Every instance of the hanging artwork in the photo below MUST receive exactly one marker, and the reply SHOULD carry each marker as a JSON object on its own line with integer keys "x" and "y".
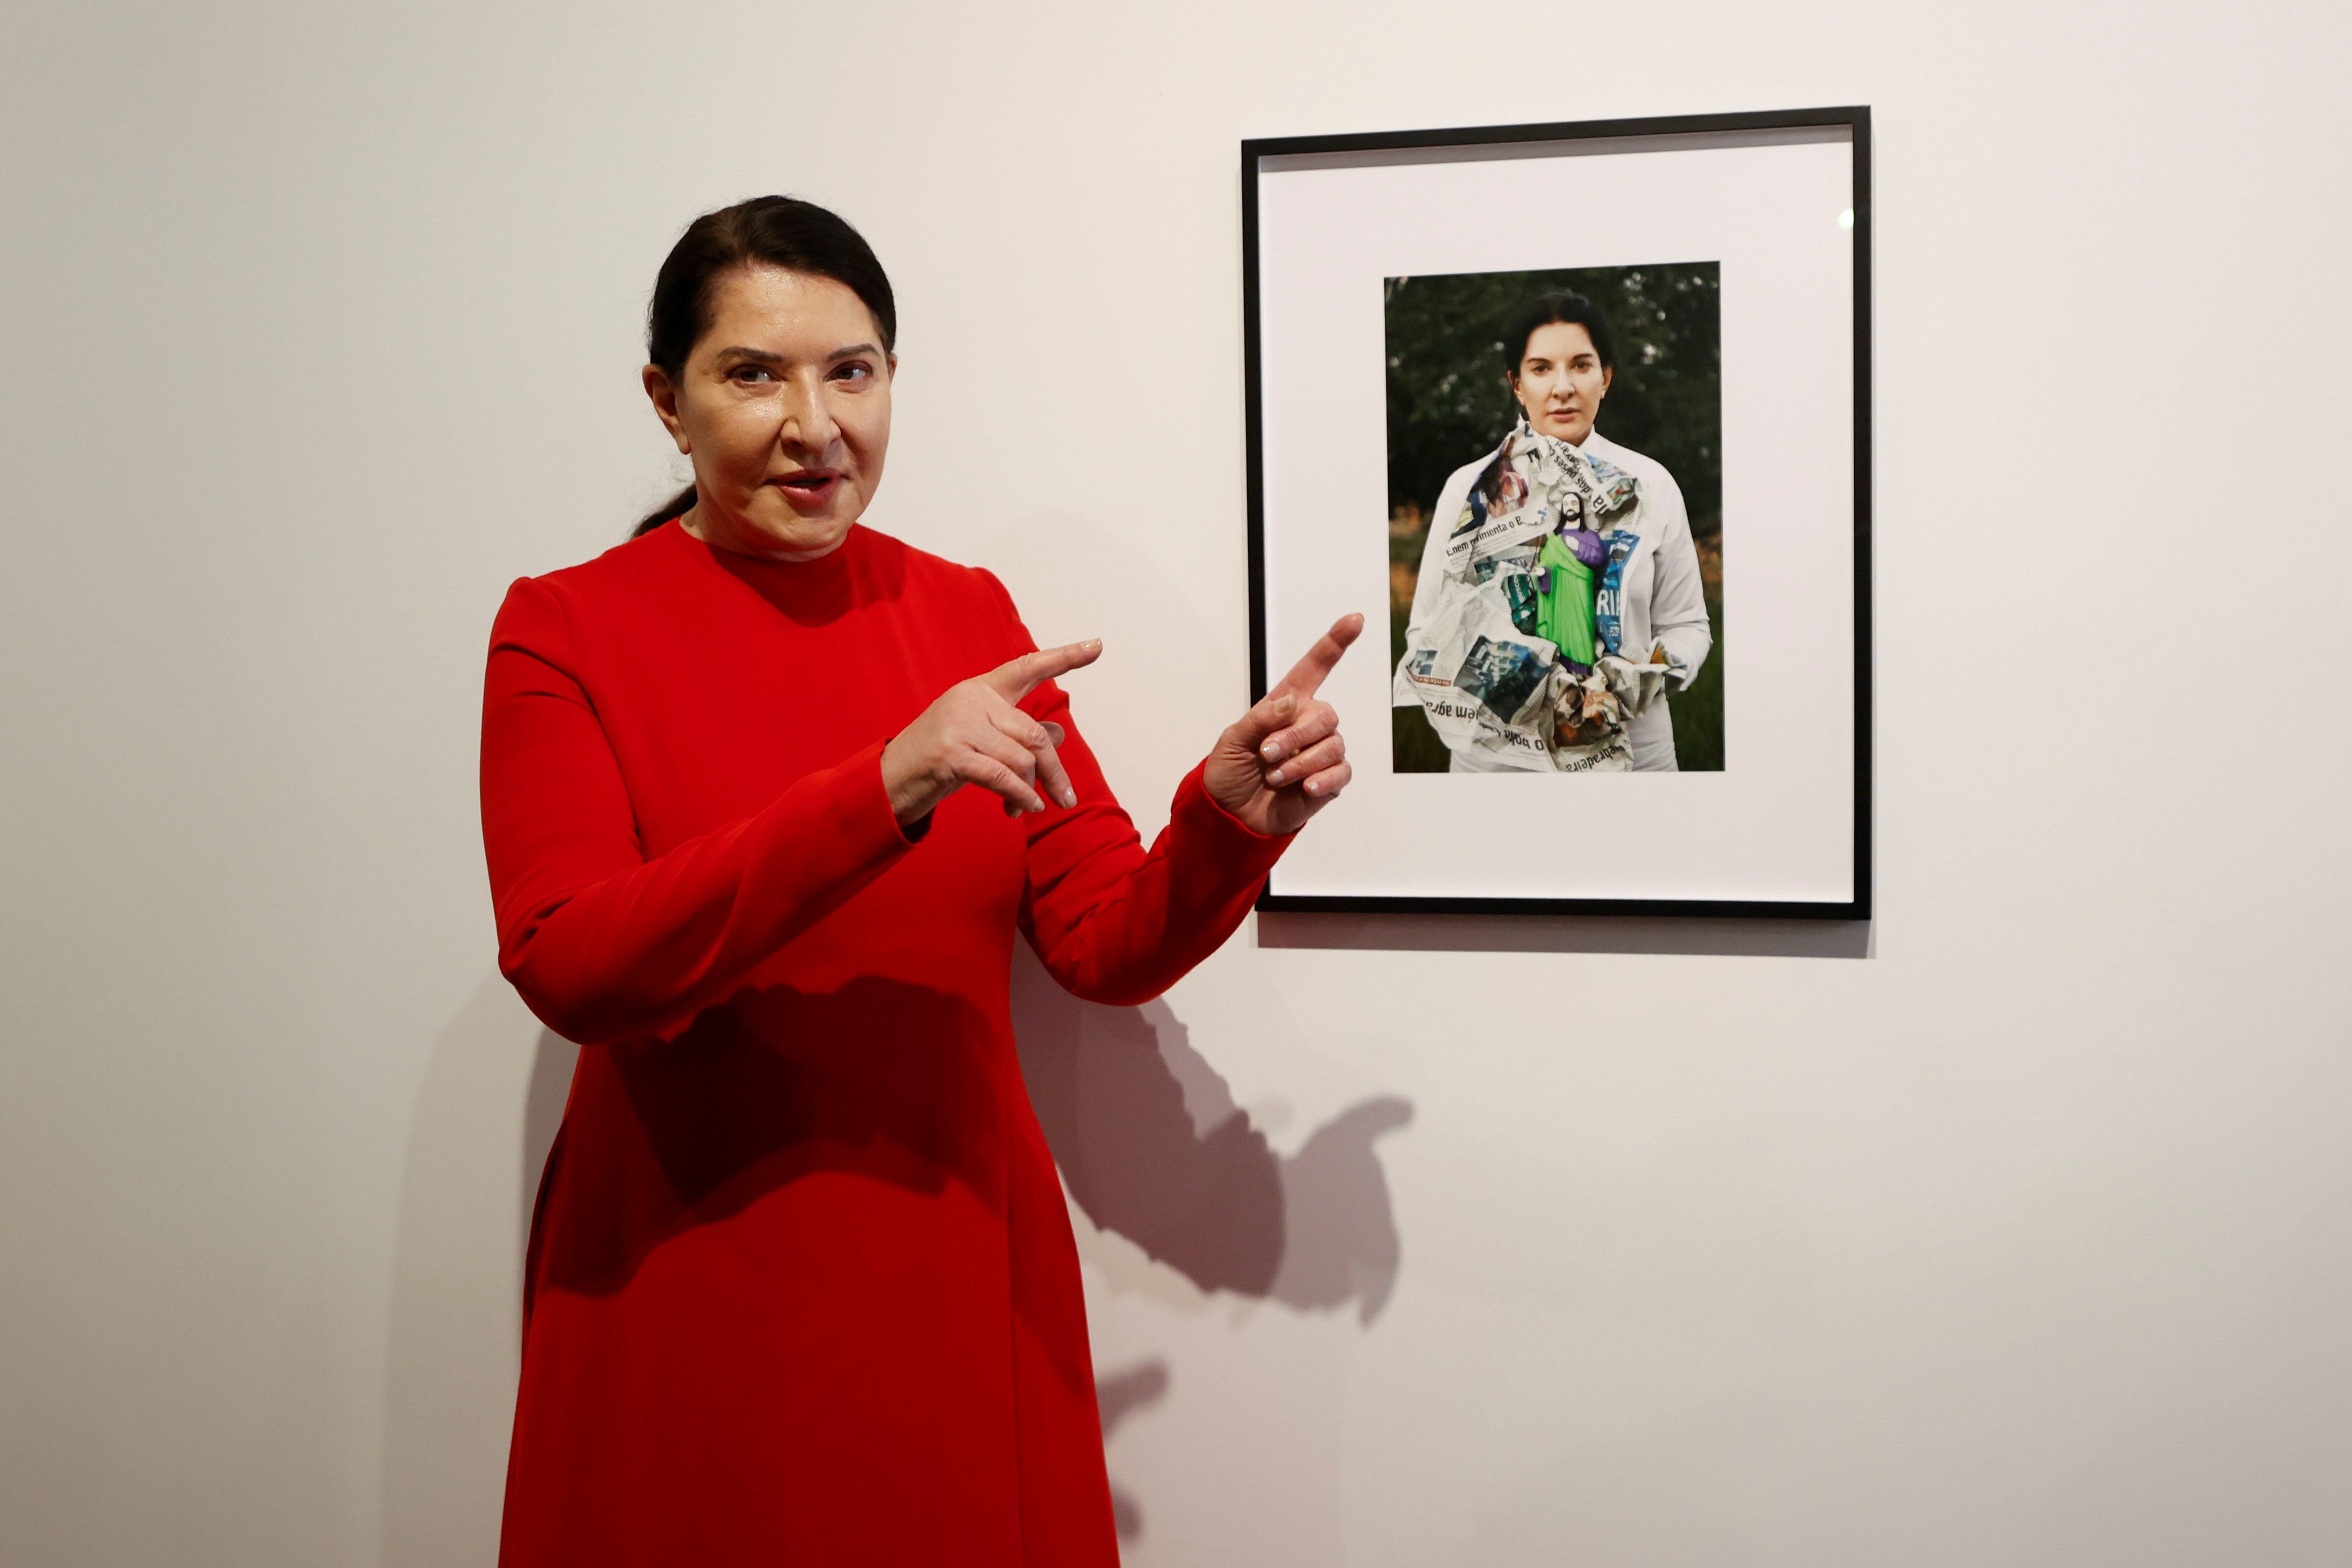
{"x": 1580, "y": 414}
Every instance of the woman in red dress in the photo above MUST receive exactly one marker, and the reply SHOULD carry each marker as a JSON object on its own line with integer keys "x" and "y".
{"x": 766, "y": 795}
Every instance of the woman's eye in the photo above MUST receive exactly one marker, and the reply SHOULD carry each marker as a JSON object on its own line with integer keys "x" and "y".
{"x": 854, "y": 373}
{"x": 753, "y": 375}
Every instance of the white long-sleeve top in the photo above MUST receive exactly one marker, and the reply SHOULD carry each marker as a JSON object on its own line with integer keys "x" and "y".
{"x": 1663, "y": 603}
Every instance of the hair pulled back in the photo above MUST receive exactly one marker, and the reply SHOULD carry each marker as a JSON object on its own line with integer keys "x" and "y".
{"x": 1564, "y": 307}
{"x": 766, "y": 231}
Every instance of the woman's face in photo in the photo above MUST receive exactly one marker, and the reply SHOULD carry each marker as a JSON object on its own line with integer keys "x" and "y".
{"x": 1560, "y": 382}
{"x": 784, "y": 406}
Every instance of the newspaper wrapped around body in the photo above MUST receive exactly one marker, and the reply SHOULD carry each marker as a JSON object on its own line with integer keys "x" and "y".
{"x": 1491, "y": 686}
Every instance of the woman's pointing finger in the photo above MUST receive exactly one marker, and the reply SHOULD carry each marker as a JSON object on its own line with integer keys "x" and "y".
{"x": 1016, "y": 678}
{"x": 1310, "y": 672}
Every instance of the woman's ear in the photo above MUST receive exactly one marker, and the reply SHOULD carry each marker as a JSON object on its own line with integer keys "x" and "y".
{"x": 665, "y": 401}
{"x": 1607, "y": 378}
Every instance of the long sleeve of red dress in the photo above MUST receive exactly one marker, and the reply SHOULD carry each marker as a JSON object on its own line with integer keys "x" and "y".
{"x": 800, "y": 1285}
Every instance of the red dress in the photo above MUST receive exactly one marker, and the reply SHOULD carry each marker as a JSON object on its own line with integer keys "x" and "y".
{"x": 802, "y": 1286}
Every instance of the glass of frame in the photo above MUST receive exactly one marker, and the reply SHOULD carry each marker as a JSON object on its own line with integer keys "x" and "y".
{"x": 1578, "y": 416}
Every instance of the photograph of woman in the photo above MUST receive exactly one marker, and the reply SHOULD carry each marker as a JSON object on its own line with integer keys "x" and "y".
{"x": 767, "y": 797}
{"x": 1557, "y": 603}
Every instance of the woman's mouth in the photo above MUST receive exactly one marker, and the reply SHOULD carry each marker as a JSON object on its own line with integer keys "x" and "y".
{"x": 810, "y": 489}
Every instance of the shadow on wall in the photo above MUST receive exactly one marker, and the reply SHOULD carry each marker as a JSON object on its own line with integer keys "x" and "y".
{"x": 1154, "y": 1149}
{"x": 1571, "y": 934}
{"x": 1118, "y": 1396}
{"x": 453, "y": 1345}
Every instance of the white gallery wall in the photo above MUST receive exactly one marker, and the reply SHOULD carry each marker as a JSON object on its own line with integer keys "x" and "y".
{"x": 2016, "y": 1229}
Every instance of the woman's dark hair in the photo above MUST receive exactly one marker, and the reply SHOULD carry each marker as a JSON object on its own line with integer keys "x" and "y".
{"x": 1551, "y": 310}
{"x": 766, "y": 231}
{"x": 1546, "y": 310}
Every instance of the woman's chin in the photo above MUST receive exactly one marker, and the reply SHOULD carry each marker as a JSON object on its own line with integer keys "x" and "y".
{"x": 787, "y": 533}
{"x": 809, "y": 537}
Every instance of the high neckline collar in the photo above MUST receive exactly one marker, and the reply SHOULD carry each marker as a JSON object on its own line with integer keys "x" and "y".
{"x": 832, "y": 562}
{"x": 809, "y": 591}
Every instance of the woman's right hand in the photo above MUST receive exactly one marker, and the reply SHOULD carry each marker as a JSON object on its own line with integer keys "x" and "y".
{"x": 974, "y": 734}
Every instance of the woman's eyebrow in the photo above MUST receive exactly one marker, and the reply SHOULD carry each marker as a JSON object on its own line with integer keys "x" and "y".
{"x": 762, "y": 356}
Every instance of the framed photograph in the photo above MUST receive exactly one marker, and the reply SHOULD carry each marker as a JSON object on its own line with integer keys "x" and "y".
{"x": 1578, "y": 416}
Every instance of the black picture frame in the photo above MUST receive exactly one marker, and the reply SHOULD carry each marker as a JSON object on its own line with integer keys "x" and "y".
{"x": 1854, "y": 119}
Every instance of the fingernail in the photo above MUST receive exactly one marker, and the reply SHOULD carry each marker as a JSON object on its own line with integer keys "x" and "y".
{"x": 1069, "y": 797}
{"x": 1277, "y": 776}
{"x": 1270, "y": 751}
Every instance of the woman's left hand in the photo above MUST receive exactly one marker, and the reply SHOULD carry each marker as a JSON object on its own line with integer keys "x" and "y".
{"x": 1284, "y": 761}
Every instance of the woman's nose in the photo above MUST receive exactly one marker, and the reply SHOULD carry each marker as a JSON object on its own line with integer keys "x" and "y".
{"x": 808, "y": 419}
